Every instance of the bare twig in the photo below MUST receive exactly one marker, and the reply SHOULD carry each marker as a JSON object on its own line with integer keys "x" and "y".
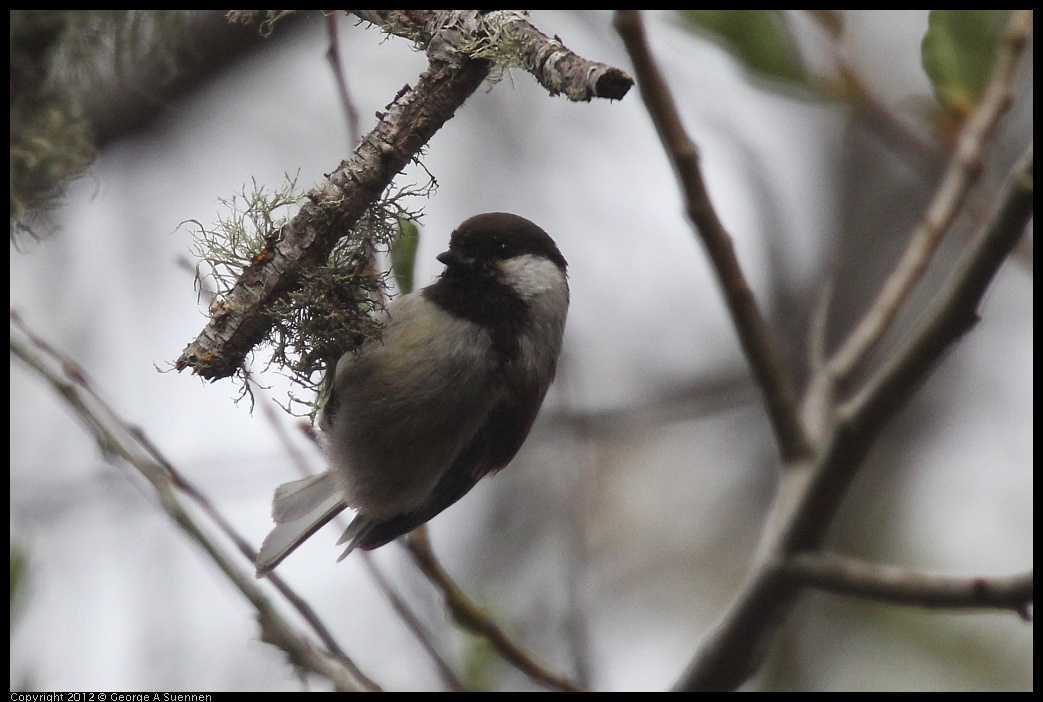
{"x": 448, "y": 675}
{"x": 809, "y": 497}
{"x": 472, "y": 617}
{"x": 963, "y": 171}
{"x": 753, "y": 331}
{"x": 848, "y": 576}
{"x": 954, "y": 311}
{"x": 347, "y": 104}
{"x": 919, "y": 153}
{"x": 125, "y": 443}
{"x": 816, "y": 482}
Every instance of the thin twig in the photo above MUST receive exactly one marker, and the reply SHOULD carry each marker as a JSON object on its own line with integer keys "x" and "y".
{"x": 954, "y": 311}
{"x": 849, "y": 576}
{"x": 448, "y": 675}
{"x": 471, "y": 616}
{"x": 963, "y": 171}
{"x": 351, "y": 114}
{"x": 812, "y": 490}
{"x": 916, "y": 151}
{"x": 754, "y": 335}
{"x": 120, "y": 440}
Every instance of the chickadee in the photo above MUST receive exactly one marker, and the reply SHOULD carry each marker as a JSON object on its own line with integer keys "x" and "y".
{"x": 446, "y": 397}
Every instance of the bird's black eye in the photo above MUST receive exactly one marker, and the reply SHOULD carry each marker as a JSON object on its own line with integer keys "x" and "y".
{"x": 503, "y": 250}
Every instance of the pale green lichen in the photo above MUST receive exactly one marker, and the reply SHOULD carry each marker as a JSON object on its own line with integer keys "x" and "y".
{"x": 331, "y": 309}
{"x": 264, "y": 19}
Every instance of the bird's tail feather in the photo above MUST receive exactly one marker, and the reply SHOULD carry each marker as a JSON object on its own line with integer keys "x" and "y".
{"x": 353, "y": 535}
{"x": 299, "y": 509}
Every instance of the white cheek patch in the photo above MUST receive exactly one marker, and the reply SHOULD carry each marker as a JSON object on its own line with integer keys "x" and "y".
{"x": 534, "y": 276}
{"x": 543, "y": 287}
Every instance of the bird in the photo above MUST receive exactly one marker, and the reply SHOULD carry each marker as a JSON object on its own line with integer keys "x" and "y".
{"x": 445, "y": 397}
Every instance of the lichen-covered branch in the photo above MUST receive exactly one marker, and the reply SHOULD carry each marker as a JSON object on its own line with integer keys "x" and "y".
{"x": 508, "y": 39}
{"x": 241, "y": 321}
{"x": 461, "y": 46}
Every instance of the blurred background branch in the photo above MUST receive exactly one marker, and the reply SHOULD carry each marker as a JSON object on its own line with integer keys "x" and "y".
{"x": 124, "y": 443}
{"x": 817, "y": 476}
{"x": 854, "y": 578}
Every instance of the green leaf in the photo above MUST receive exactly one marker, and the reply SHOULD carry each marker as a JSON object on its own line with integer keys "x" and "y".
{"x": 403, "y": 255}
{"x": 958, "y": 53}
{"x": 758, "y": 38}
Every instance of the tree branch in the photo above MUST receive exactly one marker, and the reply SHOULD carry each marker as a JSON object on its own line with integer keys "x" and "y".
{"x": 507, "y": 37}
{"x": 848, "y": 576}
{"x": 953, "y": 313}
{"x": 332, "y": 208}
{"x": 471, "y": 616}
{"x": 457, "y": 43}
{"x": 121, "y": 442}
{"x": 754, "y": 335}
{"x": 816, "y": 482}
{"x": 963, "y": 171}
{"x": 810, "y": 496}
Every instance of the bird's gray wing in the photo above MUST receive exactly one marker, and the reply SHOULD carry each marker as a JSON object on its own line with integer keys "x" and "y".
{"x": 492, "y": 448}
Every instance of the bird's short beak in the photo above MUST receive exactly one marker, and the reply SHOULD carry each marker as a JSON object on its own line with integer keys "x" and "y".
{"x": 452, "y": 258}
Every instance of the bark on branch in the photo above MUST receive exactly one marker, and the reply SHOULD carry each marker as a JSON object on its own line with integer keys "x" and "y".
{"x": 410, "y": 121}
